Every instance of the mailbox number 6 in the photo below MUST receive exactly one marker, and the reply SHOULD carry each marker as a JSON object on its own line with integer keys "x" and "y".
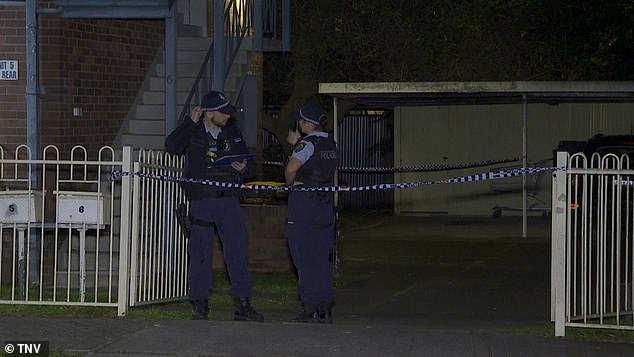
{"x": 81, "y": 209}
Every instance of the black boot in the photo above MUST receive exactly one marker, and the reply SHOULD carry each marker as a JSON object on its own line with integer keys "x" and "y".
{"x": 308, "y": 313}
{"x": 325, "y": 312}
{"x": 200, "y": 309}
{"x": 246, "y": 312}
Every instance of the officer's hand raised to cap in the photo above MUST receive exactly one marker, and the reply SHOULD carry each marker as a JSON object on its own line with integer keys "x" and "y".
{"x": 293, "y": 137}
{"x": 197, "y": 113}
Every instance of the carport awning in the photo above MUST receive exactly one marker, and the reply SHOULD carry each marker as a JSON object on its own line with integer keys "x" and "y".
{"x": 391, "y": 94}
{"x": 388, "y": 95}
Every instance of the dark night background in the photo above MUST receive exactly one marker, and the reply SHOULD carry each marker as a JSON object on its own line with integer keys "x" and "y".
{"x": 451, "y": 40}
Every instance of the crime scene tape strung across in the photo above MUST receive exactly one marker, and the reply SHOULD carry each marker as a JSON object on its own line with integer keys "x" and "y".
{"x": 421, "y": 168}
{"x": 491, "y": 175}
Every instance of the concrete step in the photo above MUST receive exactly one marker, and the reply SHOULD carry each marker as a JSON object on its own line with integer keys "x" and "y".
{"x": 145, "y": 127}
{"x": 153, "y": 97}
{"x": 193, "y": 43}
{"x": 189, "y": 30}
{"x": 150, "y": 112}
{"x": 182, "y": 69}
{"x": 188, "y": 56}
{"x": 191, "y": 56}
{"x": 158, "y": 98}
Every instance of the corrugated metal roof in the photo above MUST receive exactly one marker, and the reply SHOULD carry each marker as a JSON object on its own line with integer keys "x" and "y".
{"x": 391, "y": 94}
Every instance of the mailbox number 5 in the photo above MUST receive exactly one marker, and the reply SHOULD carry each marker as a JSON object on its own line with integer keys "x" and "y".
{"x": 81, "y": 209}
{"x": 12, "y": 208}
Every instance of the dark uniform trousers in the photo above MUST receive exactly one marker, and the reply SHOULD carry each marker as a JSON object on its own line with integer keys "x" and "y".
{"x": 229, "y": 219}
{"x": 310, "y": 231}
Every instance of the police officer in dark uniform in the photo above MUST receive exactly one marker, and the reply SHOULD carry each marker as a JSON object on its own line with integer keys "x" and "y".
{"x": 205, "y": 138}
{"x": 310, "y": 218}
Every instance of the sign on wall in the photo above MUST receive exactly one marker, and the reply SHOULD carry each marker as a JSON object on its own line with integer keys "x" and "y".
{"x": 8, "y": 70}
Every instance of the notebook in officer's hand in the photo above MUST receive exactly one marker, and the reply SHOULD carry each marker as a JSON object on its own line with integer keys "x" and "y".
{"x": 227, "y": 160}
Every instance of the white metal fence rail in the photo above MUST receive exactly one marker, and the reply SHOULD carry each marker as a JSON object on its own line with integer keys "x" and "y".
{"x": 593, "y": 242}
{"x": 159, "y": 250}
{"x": 63, "y": 228}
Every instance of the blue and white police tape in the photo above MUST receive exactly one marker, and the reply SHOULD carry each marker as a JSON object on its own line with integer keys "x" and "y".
{"x": 491, "y": 175}
{"x": 420, "y": 168}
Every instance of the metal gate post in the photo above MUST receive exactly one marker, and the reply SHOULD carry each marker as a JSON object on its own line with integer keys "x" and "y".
{"x": 134, "y": 261}
{"x": 558, "y": 236}
{"x": 124, "y": 234}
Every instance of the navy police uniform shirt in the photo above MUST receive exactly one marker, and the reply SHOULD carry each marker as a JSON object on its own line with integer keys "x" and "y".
{"x": 319, "y": 157}
{"x": 202, "y": 149}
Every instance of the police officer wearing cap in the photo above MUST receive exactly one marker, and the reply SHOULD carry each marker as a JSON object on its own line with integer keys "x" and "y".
{"x": 310, "y": 219}
{"x": 204, "y": 139}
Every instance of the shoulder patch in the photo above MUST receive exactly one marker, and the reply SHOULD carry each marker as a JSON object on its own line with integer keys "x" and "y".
{"x": 299, "y": 147}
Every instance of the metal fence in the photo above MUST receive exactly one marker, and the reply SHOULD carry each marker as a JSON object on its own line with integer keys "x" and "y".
{"x": 365, "y": 140}
{"x": 62, "y": 226}
{"x": 158, "y": 266}
{"x": 593, "y": 242}
{"x": 71, "y": 236}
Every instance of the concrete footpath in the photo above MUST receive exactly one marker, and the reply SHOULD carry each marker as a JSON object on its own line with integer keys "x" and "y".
{"x": 407, "y": 287}
{"x": 125, "y": 337}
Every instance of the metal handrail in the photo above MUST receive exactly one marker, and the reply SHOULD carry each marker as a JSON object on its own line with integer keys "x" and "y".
{"x": 237, "y": 25}
{"x": 237, "y": 30}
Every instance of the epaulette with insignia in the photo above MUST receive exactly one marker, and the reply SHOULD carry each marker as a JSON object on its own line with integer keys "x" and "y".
{"x": 299, "y": 147}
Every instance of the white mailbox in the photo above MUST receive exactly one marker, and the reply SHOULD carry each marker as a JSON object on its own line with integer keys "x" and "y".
{"x": 19, "y": 206}
{"x": 82, "y": 207}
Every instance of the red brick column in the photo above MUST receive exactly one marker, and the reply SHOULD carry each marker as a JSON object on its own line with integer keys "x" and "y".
{"x": 12, "y": 93}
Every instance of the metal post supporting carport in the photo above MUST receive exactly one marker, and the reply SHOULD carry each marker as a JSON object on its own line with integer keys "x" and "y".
{"x": 524, "y": 162}
{"x": 334, "y": 134}
{"x": 335, "y": 256}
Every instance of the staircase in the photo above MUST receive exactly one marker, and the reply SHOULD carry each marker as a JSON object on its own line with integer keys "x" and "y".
{"x": 144, "y": 127}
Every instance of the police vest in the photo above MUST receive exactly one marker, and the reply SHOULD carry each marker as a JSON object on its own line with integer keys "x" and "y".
{"x": 320, "y": 168}
{"x": 202, "y": 153}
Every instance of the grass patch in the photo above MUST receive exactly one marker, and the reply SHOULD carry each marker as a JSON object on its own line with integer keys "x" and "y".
{"x": 57, "y": 311}
{"x": 270, "y": 292}
{"x": 62, "y": 294}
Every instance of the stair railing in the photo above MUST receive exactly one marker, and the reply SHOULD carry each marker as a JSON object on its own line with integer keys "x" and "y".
{"x": 238, "y": 24}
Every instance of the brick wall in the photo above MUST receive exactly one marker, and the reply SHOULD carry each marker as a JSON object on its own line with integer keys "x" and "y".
{"x": 93, "y": 64}
{"x": 97, "y": 66}
{"x": 12, "y": 93}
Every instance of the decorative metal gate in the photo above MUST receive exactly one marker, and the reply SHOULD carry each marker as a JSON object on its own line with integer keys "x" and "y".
{"x": 593, "y": 242}
{"x": 158, "y": 267}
